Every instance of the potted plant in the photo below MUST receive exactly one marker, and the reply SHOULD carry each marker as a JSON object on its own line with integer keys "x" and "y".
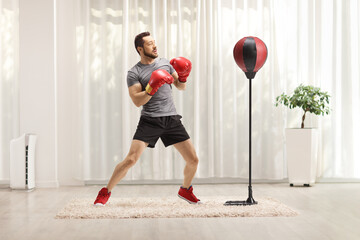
{"x": 301, "y": 143}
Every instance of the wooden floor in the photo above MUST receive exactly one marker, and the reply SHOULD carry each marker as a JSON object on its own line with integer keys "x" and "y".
{"x": 327, "y": 211}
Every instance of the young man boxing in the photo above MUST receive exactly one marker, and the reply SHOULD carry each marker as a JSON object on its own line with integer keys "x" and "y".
{"x": 149, "y": 83}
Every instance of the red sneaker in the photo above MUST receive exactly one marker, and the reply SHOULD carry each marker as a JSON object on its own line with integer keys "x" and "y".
{"x": 187, "y": 195}
{"x": 102, "y": 197}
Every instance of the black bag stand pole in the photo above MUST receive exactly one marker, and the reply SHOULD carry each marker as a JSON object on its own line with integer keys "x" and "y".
{"x": 250, "y": 200}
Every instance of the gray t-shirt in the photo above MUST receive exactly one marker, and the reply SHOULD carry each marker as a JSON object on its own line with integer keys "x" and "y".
{"x": 161, "y": 103}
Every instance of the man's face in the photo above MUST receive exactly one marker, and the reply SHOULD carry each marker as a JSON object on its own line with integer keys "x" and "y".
{"x": 150, "y": 47}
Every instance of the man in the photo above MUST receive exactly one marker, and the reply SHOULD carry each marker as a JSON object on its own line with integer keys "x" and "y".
{"x": 149, "y": 83}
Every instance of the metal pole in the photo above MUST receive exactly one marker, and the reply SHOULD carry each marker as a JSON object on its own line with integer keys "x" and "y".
{"x": 250, "y": 135}
{"x": 250, "y": 200}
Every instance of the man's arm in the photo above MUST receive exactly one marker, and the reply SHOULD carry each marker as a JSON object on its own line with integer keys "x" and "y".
{"x": 137, "y": 96}
{"x": 179, "y": 85}
{"x": 157, "y": 79}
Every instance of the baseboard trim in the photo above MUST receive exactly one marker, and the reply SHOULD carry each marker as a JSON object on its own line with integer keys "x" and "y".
{"x": 218, "y": 181}
{"x": 46, "y": 184}
{"x": 55, "y": 184}
{"x": 179, "y": 181}
{"x": 38, "y": 184}
{"x": 5, "y": 182}
{"x": 71, "y": 183}
{"x": 338, "y": 180}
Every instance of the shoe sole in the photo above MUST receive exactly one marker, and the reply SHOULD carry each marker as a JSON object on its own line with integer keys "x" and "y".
{"x": 189, "y": 200}
{"x": 99, "y": 205}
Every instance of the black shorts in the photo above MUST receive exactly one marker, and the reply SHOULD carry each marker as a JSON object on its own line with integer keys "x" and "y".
{"x": 168, "y": 128}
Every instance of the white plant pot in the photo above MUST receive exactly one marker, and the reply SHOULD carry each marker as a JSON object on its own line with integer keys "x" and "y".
{"x": 301, "y": 153}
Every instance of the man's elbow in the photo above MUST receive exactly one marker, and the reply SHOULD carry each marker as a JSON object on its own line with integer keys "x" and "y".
{"x": 138, "y": 104}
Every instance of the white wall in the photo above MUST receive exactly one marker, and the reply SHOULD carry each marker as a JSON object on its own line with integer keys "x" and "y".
{"x": 37, "y": 96}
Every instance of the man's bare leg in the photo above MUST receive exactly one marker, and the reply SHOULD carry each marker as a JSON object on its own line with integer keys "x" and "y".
{"x": 136, "y": 149}
{"x": 187, "y": 151}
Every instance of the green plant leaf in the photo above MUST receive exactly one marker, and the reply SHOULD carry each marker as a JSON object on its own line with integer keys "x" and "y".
{"x": 308, "y": 98}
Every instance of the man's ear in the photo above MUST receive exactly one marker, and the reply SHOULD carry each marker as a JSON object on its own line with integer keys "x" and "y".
{"x": 140, "y": 49}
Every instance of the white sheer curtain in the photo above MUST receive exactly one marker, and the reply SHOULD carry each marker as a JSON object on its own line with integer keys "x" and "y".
{"x": 310, "y": 42}
{"x": 9, "y": 127}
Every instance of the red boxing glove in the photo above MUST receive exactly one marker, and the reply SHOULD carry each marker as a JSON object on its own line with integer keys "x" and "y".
{"x": 182, "y": 67}
{"x": 158, "y": 78}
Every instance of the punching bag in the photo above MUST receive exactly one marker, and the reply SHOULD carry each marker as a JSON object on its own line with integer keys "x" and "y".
{"x": 250, "y": 54}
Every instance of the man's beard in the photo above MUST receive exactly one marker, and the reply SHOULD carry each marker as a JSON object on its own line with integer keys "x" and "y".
{"x": 150, "y": 55}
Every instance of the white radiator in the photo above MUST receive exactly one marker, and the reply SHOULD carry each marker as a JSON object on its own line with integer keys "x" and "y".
{"x": 22, "y": 162}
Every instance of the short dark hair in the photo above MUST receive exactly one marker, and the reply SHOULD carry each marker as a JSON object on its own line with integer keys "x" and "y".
{"x": 139, "y": 41}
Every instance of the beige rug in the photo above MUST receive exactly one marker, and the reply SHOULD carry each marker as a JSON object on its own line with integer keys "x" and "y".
{"x": 172, "y": 208}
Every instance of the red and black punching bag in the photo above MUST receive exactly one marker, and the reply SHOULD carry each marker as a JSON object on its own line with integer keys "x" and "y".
{"x": 250, "y": 54}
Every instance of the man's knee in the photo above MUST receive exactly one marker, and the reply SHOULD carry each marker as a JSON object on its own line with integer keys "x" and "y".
{"x": 194, "y": 160}
{"x": 132, "y": 158}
